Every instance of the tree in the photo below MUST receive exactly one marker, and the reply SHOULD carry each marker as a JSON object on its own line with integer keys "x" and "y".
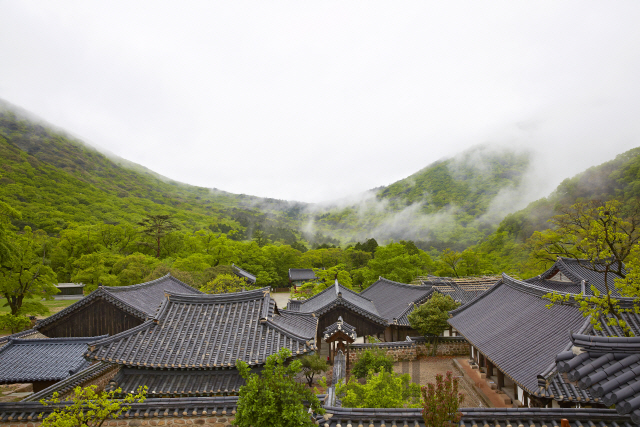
{"x": 441, "y": 402}
{"x": 381, "y": 390}
{"x": 450, "y": 259}
{"x": 90, "y": 408}
{"x": 313, "y": 364}
{"x": 604, "y": 236}
{"x": 225, "y": 283}
{"x": 430, "y": 319}
{"x": 94, "y": 269}
{"x": 274, "y": 398}
{"x": 6, "y": 235}
{"x": 372, "y": 359}
{"x": 25, "y": 275}
{"x": 156, "y": 227}
{"x": 14, "y": 323}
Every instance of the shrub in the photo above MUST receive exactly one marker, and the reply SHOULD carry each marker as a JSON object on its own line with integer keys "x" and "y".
{"x": 372, "y": 359}
{"x": 313, "y": 364}
{"x": 14, "y": 323}
{"x": 382, "y": 390}
{"x": 441, "y": 402}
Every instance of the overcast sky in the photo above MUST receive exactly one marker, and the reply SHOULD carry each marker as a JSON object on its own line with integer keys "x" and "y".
{"x": 312, "y": 101}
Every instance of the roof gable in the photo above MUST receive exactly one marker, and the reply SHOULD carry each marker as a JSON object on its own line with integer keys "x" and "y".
{"x": 140, "y": 300}
{"x": 296, "y": 274}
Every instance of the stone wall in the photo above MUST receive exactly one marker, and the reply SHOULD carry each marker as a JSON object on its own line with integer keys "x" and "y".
{"x": 446, "y": 348}
{"x": 411, "y": 350}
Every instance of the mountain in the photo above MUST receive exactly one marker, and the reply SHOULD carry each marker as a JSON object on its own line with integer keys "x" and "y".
{"x": 450, "y": 203}
{"x": 55, "y": 179}
{"x": 616, "y": 179}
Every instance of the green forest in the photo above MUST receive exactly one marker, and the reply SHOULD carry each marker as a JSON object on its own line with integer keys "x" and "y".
{"x": 71, "y": 214}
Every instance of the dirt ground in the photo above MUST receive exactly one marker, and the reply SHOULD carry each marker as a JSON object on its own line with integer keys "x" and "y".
{"x": 424, "y": 371}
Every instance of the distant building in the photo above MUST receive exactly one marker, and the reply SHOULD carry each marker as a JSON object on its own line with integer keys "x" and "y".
{"x": 297, "y": 276}
{"x": 69, "y": 291}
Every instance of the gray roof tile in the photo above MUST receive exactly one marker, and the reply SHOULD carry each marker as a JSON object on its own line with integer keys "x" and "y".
{"x": 46, "y": 359}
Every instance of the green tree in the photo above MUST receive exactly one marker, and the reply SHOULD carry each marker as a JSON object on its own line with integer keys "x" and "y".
{"x": 372, "y": 359}
{"x": 25, "y": 275}
{"x": 14, "y": 323}
{"x": 395, "y": 262}
{"x": 225, "y": 283}
{"x": 381, "y": 390}
{"x": 430, "y": 319}
{"x": 604, "y": 235}
{"x": 313, "y": 364}
{"x": 6, "y": 233}
{"x": 133, "y": 268}
{"x": 90, "y": 408}
{"x": 157, "y": 227}
{"x": 95, "y": 269}
{"x": 274, "y": 398}
{"x": 450, "y": 260}
{"x": 440, "y": 402}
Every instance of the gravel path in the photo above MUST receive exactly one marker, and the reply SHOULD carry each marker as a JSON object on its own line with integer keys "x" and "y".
{"x": 424, "y": 370}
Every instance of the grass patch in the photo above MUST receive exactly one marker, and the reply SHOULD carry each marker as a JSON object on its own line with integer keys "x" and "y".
{"x": 54, "y": 306}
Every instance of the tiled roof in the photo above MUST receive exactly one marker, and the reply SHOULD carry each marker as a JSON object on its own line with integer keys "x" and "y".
{"x": 82, "y": 377}
{"x": 47, "y": 359}
{"x": 29, "y": 333}
{"x": 511, "y": 325}
{"x": 472, "y": 417}
{"x": 392, "y": 299}
{"x": 296, "y": 274}
{"x": 552, "y": 285}
{"x": 578, "y": 270}
{"x": 342, "y": 326}
{"x": 338, "y": 295}
{"x": 208, "y": 331}
{"x": 152, "y": 407}
{"x": 243, "y": 273}
{"x": 461, "y": 289}
{"x": 140, "y": 300}
{"x": 163, "y": 383}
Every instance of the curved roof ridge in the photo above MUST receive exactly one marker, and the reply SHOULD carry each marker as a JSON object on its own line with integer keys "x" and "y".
{"x": 381, "y": 279}
{"x": 150, "y": 283}
{"x": 477, "y": 298}
{"x": 353, "y": 292}
{"x": 523, "y": 286}
{"x": 61, "y": 340}
{"x": 209, "y": 298}
{"x": 119, "y": 335}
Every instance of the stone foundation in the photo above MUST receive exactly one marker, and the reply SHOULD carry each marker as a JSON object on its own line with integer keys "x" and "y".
{"x": 446, "y": 348}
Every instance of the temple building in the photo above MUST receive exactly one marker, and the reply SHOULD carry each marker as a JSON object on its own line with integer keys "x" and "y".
{"x": 190, "y": 346}
{"x": 112, "y": 309}
{"x": 297, "y": 276}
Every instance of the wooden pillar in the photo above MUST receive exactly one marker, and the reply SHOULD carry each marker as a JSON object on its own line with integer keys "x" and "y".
{"x": 489, "y": 368}
{"x": 481, "y": 360}
{"x": 500, "y": 379}
{"x": 525, "y": 398}
{"x": 471, "y": 352}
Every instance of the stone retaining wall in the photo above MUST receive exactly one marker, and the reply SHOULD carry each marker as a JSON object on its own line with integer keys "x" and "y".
{"x": 450, "y": 348}
{"x": 404, "y": 350}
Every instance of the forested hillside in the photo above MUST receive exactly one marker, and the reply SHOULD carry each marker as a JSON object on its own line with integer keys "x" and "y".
{"x": 507, "y": 248}
{"x": 56, "y": 181}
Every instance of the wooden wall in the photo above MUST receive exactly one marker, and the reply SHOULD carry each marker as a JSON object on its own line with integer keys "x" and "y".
{"x": 363, "y": 325}
{"x": 96, "y": 318}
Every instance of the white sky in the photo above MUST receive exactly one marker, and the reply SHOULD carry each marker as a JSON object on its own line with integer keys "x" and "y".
{"x": 318, "y": 100}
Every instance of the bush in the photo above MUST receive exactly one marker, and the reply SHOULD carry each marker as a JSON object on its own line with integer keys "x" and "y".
{"x": 441, "y": 402}
{"x": 274, "y": 398}
{"x": 14, "y": 323}
{"x": 372, "y": 359}
{"x": 382, "y": 390}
